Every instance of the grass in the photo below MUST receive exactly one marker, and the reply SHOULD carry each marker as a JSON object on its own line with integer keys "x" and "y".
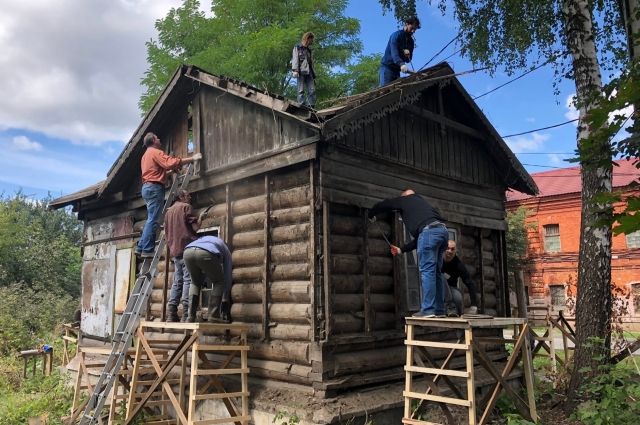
{"x": 44, "y": 397}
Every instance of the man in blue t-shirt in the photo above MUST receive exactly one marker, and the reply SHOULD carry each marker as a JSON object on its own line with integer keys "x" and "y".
{"x": 399, "y": 52}
{"x": 208, "y": 257}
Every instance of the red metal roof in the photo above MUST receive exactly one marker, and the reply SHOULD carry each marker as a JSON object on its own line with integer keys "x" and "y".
{"x": 567, "y": 180}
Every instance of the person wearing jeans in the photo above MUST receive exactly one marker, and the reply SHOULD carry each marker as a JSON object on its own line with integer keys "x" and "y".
{"x": 455, "y": 268}
{"x": 154, "y": 166}
{"x": 209, "y": 258}
{"x": 430, "y": 236}
{"x": 180, "y": 226}
{"x": 302, "y": 69}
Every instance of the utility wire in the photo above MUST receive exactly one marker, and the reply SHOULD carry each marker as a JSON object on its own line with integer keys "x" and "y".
{"x": 440, "y": 51}
{"x": 513, "y": 79}
{"x": 543, "y": 153}
{"x": 538, "y": 129}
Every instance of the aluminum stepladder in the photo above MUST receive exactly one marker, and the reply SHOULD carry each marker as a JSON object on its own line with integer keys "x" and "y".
{"x": 136, "y": 304}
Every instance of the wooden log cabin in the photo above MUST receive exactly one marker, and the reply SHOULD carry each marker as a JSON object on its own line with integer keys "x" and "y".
{"x": 289, "y": 190}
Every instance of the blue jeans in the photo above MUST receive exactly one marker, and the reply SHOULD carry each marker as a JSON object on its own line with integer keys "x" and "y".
{"x": 153, "y": 195}
{"x": 181, "y": 283}
{"x": 308, "y": 86}
{"x": 432, "y": 242}
{"x": 453, "y": 297}
{"x": 388, "y": 75}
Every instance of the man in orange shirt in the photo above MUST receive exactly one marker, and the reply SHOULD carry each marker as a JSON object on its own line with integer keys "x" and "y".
{"x": 155, "y": 164}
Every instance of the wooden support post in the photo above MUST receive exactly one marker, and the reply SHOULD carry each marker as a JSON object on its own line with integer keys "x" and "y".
{"x": 134, "y": 376}
{"x": 244, "y": 365}
{"x": 471, "y": 385}
{"x": 481, "y": 265}
{"x": 193, "y": 386}
{"x": 266, "y": 272}
{"x": 408, "y": 381}
{"x": 165, "y": 285}
{"x": 313, "y": 248}
{"x": 368, "y": 319}
{"x": 326, "y": 252}
{"x": 527, "y": 365}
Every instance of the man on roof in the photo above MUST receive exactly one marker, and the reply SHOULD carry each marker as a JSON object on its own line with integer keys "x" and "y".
{"x": 399, "y": 52}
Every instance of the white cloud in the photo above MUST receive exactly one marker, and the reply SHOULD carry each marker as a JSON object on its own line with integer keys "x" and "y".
{"x": 72, "y": 68}
{"x": 530, "y": 119}
{"x": 22, "y": 143}
{"x": 527, "y": 143}
{"x": 558, "y": 160}
{"x": 571, "y": 113}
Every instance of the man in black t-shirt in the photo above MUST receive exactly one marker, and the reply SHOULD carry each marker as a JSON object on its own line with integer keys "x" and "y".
{"x": 430, "y": 237}
{"x": 455, "y": 268}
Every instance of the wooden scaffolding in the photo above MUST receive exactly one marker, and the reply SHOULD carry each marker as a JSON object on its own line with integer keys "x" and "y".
{"x": 173, "y": 368}
{"x": 420, "y": 361}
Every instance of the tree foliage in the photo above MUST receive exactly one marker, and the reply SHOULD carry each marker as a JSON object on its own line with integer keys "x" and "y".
{"x": 517, "y": 237}
{"x": 252, "y": 40}
{"x": 38, "y": 247}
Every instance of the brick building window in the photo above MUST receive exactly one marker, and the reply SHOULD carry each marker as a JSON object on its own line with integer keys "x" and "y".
{"x": 552, "y": 238}
{"x": 635, "y": 298}
{"x": 557, "y": 295}
{"x": 633, "y": 239}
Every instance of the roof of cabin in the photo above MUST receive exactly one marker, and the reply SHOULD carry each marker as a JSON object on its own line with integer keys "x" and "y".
{"x": 345, "y": 116}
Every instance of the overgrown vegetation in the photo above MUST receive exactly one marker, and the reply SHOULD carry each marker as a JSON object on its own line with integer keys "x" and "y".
{"x": 39, "y": 287}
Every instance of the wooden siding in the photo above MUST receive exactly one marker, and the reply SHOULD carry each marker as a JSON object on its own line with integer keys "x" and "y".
{"x": 407, "y": 138}
{"x": 362, "y": 181}
{"x": 233, "y": 130}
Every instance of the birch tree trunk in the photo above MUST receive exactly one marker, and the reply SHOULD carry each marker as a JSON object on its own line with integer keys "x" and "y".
{"x": 593, "y": 304}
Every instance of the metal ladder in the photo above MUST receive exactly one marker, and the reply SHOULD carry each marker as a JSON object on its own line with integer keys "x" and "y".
{"x": 141, "y": 292}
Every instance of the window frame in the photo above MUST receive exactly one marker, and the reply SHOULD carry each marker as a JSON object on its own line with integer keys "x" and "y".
{"x": 549, "y": 237}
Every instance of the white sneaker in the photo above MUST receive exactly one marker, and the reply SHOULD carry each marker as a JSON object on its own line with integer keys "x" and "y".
{"x": 471, "y": 310}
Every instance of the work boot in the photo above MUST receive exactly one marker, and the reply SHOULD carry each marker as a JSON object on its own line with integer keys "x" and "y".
{"x": 214, "y": 310}
{"x": 194, "y": 303}
{"x": 225, "y": 312}
{"x": 185, "y": 313}
{"x": 172, "y": 313}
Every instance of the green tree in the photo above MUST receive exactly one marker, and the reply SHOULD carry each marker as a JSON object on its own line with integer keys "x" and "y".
{"x": 252, "y": 40}
{"x": 577, "y": 36}
{"x": 39, "y": 247}
{"x": 517, "y": 238}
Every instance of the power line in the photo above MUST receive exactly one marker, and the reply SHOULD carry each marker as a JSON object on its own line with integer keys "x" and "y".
{"x": 539, "y": 129}
{"x": 544, "y": 166}
{"x": 440, "y": 51}
{"x": 543, "y": 153}
{"x": 516, "y": 79}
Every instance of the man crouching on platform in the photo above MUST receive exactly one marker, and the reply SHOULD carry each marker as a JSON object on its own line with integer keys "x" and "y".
{"x": 209, "y": 257}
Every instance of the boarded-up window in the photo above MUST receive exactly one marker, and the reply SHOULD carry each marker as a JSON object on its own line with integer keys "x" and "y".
{"x": 633, "y": 240}
{"x": 635, "y": 298}
{"x": 552, "y": 238}
{"x": 558, "y": 296}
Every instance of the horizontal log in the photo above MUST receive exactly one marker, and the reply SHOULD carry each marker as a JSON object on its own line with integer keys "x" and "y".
{"x": 490, "y": 301}
{"x": 282, "y": 331}
{"x": 346, "y": 264}
{"x": 248, "y": 222}
{"x": 489, "y": 286}
{"x": 158, "y": 282}
{"x": 381, "y": 284}
{"x": 294, "y": 252}
{"x": 282, "y": 351}
{"x": 380, "y": 265}
{"x": 489, "y": 272}
{"x": 347, "y": 323}
{"x": 288, "y": 216}
{"x": 347, "y": 283}
{"x": 345, "y": 303}
{"x": 383, "y": 302}
{"x": 280, "y": 312}
{"x": 253, "y": 239}
{"x": 367, "y": 360}
{"x": 487, "y": 256}
{"x": 247, "y": 293}
{"x": 162, "y": 266}
{"x": 379, "y": 248}
{"x": 290, "y": 233}
{"x": 290, "y": 292}
{"x": 279, "y": 292}
{"x": 248, "y": 257}
{"x": 247, "y": 274}
{"x": 290, "y": 177}
{"x": 156, "y": 295}
{"x": 250, "y": 205}
{"x": 346, "y": 244}
{"x": 290, "y": 272}
{"x": 385, "y": 321}
{"x": 290, "y": 198}
{"x": 345, "y": 225}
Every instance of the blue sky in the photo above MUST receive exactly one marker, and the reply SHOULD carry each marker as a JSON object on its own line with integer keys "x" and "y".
{"x": 70, "y": 97}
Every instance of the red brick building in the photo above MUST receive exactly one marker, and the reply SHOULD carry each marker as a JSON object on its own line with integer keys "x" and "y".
{"x": 554, "y": 236}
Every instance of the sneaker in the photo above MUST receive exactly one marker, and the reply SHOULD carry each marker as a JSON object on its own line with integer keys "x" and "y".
{"x": 439, "y": 316}
{"x": 149, "y": 254}
{"x": 137, "y": 251}
{"x": 423, "y": 314}
{"x": 452, "y": 313}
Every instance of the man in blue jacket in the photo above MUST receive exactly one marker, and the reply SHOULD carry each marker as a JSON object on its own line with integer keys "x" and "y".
{"x": 399, "y": 52}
